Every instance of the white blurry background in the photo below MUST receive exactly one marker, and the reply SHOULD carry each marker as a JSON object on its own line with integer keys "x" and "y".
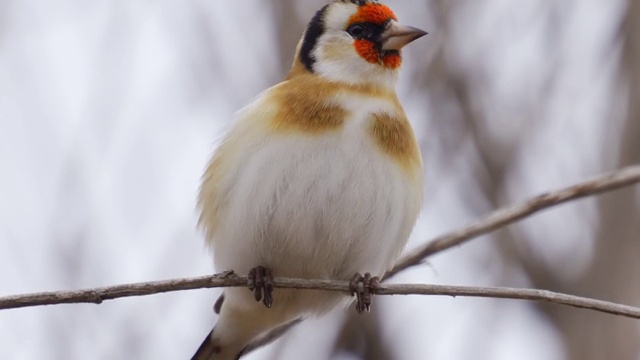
{"x": 109, "y": 111}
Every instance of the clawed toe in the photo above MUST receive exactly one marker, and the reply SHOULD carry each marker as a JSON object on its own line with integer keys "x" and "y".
{"x": 363, "y": 287}
{"x": 260, "y": 281}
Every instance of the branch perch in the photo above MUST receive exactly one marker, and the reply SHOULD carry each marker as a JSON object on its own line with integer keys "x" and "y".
{"x": 98, "y": 295}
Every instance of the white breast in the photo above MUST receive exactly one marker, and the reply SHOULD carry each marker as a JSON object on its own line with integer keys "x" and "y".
{"x": 315, "y": 206}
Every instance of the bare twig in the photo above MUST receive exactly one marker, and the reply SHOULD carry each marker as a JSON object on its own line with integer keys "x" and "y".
{"x": 98, "y": 295}
{"x": 501, "y": 217}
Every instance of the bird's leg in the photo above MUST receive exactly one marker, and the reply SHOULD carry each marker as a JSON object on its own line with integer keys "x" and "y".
{"x": 363, "y": 287}
{"x": 268, "y": 288}
{"x": 260, "y": 281}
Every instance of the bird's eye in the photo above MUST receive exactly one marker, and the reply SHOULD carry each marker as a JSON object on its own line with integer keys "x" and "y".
{"x": 355, "y": 30}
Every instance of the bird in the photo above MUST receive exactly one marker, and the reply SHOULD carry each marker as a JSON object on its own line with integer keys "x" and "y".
{"x": 319, "y": 177}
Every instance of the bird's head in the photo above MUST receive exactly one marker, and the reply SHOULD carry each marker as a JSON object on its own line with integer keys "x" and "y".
{"x": 354, "y": 41}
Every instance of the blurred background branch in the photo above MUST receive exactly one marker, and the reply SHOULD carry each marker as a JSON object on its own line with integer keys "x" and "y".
{"x": 504, "y": 216}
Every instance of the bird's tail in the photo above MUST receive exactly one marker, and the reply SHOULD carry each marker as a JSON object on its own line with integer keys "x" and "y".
{"x": 207, "y": 349}
{"x": 238, "y": 331}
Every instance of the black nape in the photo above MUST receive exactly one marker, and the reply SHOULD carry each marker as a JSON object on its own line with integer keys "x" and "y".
{"x": 311, "y": 35}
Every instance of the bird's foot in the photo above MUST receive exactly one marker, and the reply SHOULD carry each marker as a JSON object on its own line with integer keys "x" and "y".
{"x": 363, "y": 287}
{"x": 261, "y": 283}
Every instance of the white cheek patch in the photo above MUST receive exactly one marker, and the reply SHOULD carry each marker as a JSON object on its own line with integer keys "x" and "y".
{"x": 337, "y": 60}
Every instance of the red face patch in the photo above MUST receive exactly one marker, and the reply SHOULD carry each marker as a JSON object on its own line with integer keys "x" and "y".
{"x": 376, "y": 14}
{"x": 373, "y": 13}
{"x": 369, "y": 51}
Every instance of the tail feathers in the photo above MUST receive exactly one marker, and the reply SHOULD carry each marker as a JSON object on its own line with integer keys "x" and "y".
{"x": 208, "y": 350}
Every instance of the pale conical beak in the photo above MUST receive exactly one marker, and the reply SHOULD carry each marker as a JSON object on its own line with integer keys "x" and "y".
{"x": 396, "y": 36}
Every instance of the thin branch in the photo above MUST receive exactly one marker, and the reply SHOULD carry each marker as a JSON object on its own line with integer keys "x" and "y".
{"x": 504, "y": 216}
{"x": 228, "y": 279}
{"x": 98, "y": 295}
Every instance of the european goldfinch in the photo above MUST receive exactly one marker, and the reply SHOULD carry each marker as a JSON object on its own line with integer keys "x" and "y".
{"x": 320, "y": 177}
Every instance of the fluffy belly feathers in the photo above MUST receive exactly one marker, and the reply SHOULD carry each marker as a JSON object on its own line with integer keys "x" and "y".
{"x": 314, "y": 208}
